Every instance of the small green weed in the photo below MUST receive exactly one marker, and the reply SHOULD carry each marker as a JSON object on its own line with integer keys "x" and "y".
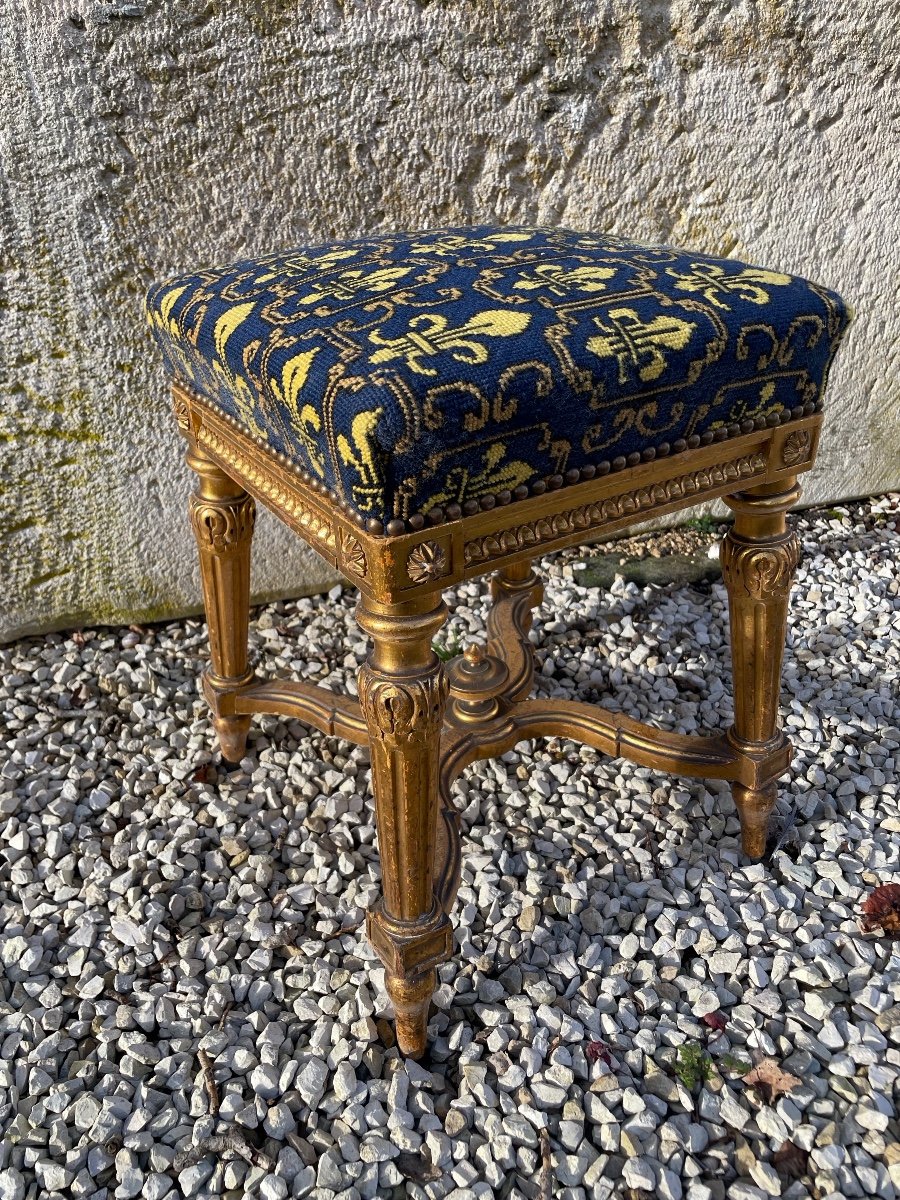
{"x": 693, "y": 1066}
{"x": 451, "y": 650}
{"x": 705, "y": 524}
{"x": 736, "y": 1065}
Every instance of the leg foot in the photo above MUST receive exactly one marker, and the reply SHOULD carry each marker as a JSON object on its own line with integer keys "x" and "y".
{"x": 232, "y": 733}
{"x": 412, "y": 999}
{"x": 754, "y": 809}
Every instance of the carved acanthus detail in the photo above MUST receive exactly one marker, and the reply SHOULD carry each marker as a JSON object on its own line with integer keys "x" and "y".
{"x": 764, "y": 571}
{"x": 613, "y": 508}
{"x": 398, "y": 712}
{"x": 354, "y": 557}
{"x": 222, "y": 525}
{"x": 182, "y": 411}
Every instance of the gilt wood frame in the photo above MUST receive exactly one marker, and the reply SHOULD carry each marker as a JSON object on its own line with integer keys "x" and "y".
{"x": 425, "y": 723}
{"x": 400, "y": 568}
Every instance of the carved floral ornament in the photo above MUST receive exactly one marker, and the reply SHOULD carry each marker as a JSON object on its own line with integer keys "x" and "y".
{"x": 426, "y": 561}
{"x": 405, "y": 710}
{"x": 795, "y": 448}
{"x": 182, "y": 412}
{"x": 765, "y": 572}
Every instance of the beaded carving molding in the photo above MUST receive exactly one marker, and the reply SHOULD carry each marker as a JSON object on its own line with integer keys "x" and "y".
{"x": 405, "y": 564}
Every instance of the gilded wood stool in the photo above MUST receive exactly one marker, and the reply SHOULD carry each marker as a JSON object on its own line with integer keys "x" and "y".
{"x": 427, "y": 408}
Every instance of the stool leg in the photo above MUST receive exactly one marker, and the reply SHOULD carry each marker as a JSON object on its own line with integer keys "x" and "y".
{"x": 222, "y": 516}
{"x": 759, "y": 555}
{"x": 402, "y": 690}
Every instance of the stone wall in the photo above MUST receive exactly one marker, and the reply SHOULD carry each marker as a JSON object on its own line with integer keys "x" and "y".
{"x": 143, "y": 139}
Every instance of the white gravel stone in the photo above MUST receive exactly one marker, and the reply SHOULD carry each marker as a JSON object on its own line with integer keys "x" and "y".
{"x": 311, "y": 1081}
{"x": 12, "y": 1184}
{"x": 153, "y": 906}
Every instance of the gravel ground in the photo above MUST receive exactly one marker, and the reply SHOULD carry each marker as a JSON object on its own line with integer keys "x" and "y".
{"x": 177, "y": 940}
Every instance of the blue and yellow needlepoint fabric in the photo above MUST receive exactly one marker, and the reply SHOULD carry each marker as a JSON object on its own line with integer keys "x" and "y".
{"x": 412, "y": 373}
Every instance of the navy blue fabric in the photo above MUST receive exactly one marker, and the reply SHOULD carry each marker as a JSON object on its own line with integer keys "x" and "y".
{"x": 410, "y": 371}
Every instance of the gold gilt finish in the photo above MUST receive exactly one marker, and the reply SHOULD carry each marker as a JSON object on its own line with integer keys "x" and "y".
{"x": 424, "y": 722}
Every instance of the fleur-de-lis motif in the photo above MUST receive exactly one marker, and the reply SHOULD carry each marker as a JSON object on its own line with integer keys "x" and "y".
{"x": 308, "y": 422}
{"x": 359, "y": 452}
{"x": 349, "y": 284}
{"x": 452, "y": 243}
{"x": 497, "y": 473}
{"x": 302, "y": 263}
{"x": 430, "y": 334}
{"x": 714, "y": 282}
{"x": 559, "y": 281}
{"x": 639, "y": 345}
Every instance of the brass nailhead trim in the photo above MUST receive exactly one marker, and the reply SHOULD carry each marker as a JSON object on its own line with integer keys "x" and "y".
{"x": 453, "y": 511}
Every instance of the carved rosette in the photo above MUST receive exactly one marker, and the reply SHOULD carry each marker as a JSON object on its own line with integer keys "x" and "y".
{"x": 398, "y": 712}
{"x": 763, "y": 570}
{"x": 222, "y": 525}
{"x": 795, "y": 448}
{"x": 426, "y": 561}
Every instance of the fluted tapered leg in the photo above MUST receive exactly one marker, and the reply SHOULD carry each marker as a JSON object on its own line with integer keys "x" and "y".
{"x": 759, "y": 556}
{"x": 222, "y": 516}
{"x": 403, "y": 690}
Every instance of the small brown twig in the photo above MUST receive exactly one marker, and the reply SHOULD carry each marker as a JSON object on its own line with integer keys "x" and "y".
{"x": 209, "y": 1081}
{"x": 226, "y": 1146}
{"x": 545, "y": 1182}
{"x": 328, "y": 937}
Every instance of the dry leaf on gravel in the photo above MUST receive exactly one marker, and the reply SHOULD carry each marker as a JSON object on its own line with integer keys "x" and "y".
{"x": 771, "y": 1080}
{"x": 882, "y": 909}
{"x": 598, "y": 1052}
{"x": 716, "y": 1021}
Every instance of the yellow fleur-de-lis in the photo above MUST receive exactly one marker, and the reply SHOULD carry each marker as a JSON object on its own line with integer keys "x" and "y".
{"x": 429, "y": 334}
{"x": 497, "y": 473}
{"x": 639, "y": 345}
{"x": 228, "y": 323}
{"x": 306, "y": 420}
{"x": 161, "y": 316}
{"x": 714, "y": 282}
{"x": 559, "y": 280}
{"x": 361, "y": 455}
{"x": 452, "y": 243}
{"x": 350, "y": 283}
{"x": 294, "y": 375}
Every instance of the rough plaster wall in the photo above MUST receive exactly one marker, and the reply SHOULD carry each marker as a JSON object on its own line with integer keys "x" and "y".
{"x": 135, "y": 146}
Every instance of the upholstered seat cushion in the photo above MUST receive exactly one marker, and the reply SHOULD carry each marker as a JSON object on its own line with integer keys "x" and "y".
{"x": 413, "y": 374}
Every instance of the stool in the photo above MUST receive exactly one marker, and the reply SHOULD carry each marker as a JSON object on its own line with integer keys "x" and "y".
{"x": 427, "y": 408}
